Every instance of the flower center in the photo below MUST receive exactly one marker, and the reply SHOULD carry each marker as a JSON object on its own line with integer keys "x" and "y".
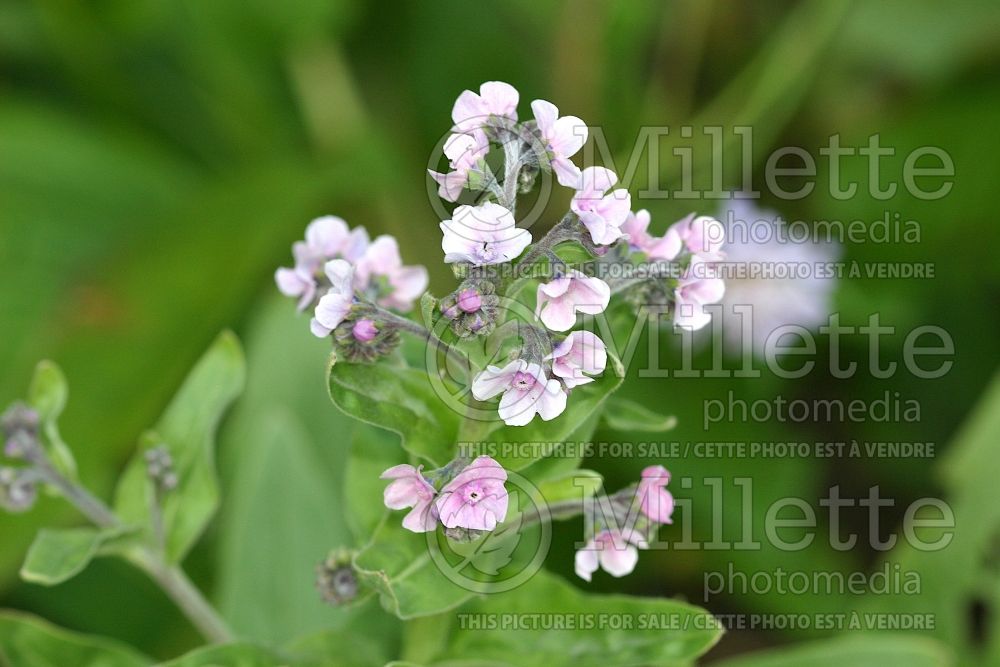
{"x": 488, "y": 253}
{"x": 523, "y": 380}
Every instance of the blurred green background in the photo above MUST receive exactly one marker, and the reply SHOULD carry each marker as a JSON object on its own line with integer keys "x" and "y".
{"x": 158, "y": 158}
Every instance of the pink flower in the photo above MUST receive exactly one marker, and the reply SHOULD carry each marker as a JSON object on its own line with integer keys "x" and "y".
{"x": 581, "y": 354}
{"x": 464, "y": 151}
{"x": 697, "y": 288}
{"x": 405, "y": 283}
{"x": 560, "y": 299}
{"x": 636, "y": 227}
{"x": 495, "y": 98}
{"x": 562, "y": 138}
{"x": 481, "y": 235}
{"x": 602, "y": 215}
{"x": 703, "y": 236}
{"x": 326, "y": 238}
{"x": 334, "y": 306}
{"x": 364, "y": 331}
{"x": 410, "y": 489}
{"x": 654, "y": 500}
{"x": 613, "y": 550}
{"x": 526, "y": 392}
{"x": 476, "y": 498}
{"x": 297, "y": 282}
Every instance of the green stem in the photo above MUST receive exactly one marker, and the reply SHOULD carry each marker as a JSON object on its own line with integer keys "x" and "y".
{"x": 170, "y": 578}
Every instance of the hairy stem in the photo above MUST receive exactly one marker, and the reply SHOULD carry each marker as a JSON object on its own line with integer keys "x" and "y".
{"x": 423, "y": 332}
{"x": 170, "y": 578}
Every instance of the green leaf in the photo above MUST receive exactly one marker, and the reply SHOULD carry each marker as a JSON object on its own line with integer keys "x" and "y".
{"x": 859, "y": 651}
{"x": 651, "y": 631}
{"x": 397, "y": 563}
{"x": 57, "y": 555}
{"x": 27, "y": 640}
{"x": 400, "y": 399}
{"x": 372, "y": 635}
{"x": 575, "y": 485}
{"x": 240, "y": 654}
{"x": 187, "y": 429}
{"x": 47, "y": 395}
{"x": 628, "y": 416}
{"x": 371, "y": 454}
{"x": 428, "y": 304}
{"x": 279, "y": 489}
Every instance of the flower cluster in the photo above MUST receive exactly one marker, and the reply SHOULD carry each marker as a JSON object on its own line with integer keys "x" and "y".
{"x": 348, "y": 280}
{"x": 634, "y": 516}
{"x": 473, "y": 499}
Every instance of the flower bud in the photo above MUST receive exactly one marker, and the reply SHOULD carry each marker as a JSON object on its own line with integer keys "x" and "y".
{"x": 20, "y": 429}
{"x": 463, "y": 535}
{"x": 18, "y": 490}
{"x": 472, "y": 308}
{"x": 365, "y": 340}
{"x": 160, "y": 468}
{"x": 335, "y": 578}
{"x": 364, "y": 331}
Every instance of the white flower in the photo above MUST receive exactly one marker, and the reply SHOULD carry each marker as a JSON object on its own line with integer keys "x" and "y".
{"x": 483, "y": 234}
{"x": 526, "y": 392}
{"x": 464, "y": 151}
{"x": 561, "y": 299}
{"x": 774, "y": 302}
{"x": 579, "y": 356}
{"x": 334, "y": 306}
{"x": 562, "y": 138}
{"x": 613, "y": 550}
{"x": 495, "y": 98}
{"x": 602, "y": 214}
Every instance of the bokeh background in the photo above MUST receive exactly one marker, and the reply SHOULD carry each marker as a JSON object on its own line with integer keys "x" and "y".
{"x": 157, "y": 159}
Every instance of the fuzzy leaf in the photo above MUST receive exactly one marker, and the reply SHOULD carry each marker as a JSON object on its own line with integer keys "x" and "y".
{"x": 27, "y": 640}
{"x": 400, "y": 399}
{"x": 242, "y": 654}
{"x": 861, "y": 651}
{"x": 657, "y": 631}
{"x": 58, "y": 555}
{"x": 187, "y": 428}
{"x": 47, "y": 395}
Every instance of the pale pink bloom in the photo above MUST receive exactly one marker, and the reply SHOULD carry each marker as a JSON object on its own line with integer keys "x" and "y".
{"x": 654, "y": 500}
{"x": 464, "y": 151}
{"x": 562, "y": 138}
{"x": 613, "y": 551}
{"x": 409, "y": 489}
{"x": 327, "y": 238}
{"x": 636, "y": 227}
{"x": 334, "y": 306}
{"x": 753, "y": 240}
{"x": 481, "y": 235}
{"x": 602, "y": 214}
{"x": 579, "y": 356}
{"x": 697, "y": 288}
{"x": 561, "y": 299}
{"x": 495, "y": 98}
{"x": 526, "y": 392}
{"x": 382, "y": 259}
{"x": 703, "y": 236}
{"x": 476, "y": 498}
{"x": 297, "y": 282}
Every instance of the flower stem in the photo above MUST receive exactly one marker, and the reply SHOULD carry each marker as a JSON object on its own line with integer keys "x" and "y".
{"x": 170, "y": 578}
{"x": 423, "y": 332}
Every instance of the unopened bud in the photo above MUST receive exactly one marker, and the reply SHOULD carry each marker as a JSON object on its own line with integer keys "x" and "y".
{"x": 18, "y": 490}
{"x": 336, "y": 579}
{"x": 463, "y": 535}
{"x": 160, "y": 468}
{"x": 20, "y": 430}
{"x": 365, "y": 340}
